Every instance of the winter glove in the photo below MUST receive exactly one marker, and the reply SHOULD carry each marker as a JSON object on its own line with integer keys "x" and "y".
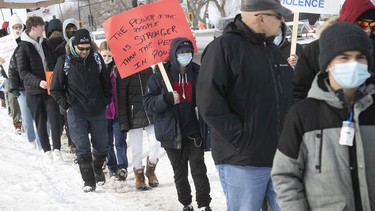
{"x": 168, "y": 98}
{"x": 16, "y": 93}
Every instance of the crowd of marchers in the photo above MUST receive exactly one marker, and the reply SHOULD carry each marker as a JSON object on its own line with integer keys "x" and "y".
{"x": 287, "y": 132}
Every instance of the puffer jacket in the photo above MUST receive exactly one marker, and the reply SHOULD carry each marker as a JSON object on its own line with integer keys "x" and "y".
{"x": 15, "y": 82}
{"x": 311, "y": 170}
{"x": 243, "y": 93}
{"x": 84, "y": 87}
{"x": 30, "y": 65}
{"x": 132, "y": 113}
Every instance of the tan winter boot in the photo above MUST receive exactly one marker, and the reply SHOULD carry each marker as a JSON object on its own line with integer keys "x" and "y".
{"x": 3, "y": 105}
{"x": 150, "y": 173}
{"x": 140, "y": 179}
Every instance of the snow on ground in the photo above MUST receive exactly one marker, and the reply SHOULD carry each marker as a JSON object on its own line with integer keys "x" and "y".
{"x": 28, "y": 182}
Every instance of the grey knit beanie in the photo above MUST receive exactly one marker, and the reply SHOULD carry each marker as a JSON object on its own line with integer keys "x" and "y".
{"x": 341, "y": 37}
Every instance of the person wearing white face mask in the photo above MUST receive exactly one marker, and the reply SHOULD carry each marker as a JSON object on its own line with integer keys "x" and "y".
{"x": 176, "y": 123}
{"x": 325, "y": 153}
{"x": 284, "y": 45}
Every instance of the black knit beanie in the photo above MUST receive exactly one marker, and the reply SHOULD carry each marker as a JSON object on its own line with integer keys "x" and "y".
{"x": 82, "y": 36}
{"x": 341, "y": 37}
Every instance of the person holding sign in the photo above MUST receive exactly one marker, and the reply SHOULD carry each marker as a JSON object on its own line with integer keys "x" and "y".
{"x": 82, "y": 87}
{"x": 325, "y": 156}
{"x": 243, "y": 93}
{"x": 176, "y": 124}
{"x": 284, "y": 45}
{"x": 33, "y": 59}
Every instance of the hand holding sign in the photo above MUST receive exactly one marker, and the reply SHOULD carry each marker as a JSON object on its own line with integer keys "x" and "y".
{"x": 141, "y": 37}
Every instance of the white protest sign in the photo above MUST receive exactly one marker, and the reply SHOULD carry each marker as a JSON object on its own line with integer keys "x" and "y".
{"x": 7, "y": 46}
{"x": 313, "y": 6}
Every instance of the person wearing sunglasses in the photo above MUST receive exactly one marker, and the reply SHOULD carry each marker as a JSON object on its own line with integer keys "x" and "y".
{"x": 244, "y": 90}
{"x": 358, "y": 12}
{"x": 82, "y": 87}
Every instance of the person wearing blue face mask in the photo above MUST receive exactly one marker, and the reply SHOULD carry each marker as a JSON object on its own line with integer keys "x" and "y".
{"x": 325, "y": 152}
{"x": 176, "y": 124}
{"x": 285, "y": 45}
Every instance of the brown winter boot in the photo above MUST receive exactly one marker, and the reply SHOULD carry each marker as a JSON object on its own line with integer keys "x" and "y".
{"x": 3, "y": 105}
{"x": 17, "y": 127}
{"x": 140, "y": 179}
{"x": 150, "y": 173}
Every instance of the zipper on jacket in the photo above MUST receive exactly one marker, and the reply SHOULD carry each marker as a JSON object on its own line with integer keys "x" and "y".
{"x": 354, "y": 175}
{"x": 140, "y": 83}
{"x": 276, "y": 92}
{"x": 132, "y": 111}
{"x": 318, "y": 151}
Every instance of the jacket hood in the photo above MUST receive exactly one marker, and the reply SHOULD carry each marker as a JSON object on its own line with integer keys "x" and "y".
{"x": 320, "y": 90}
{"x": 352, "y": 9}
{"x": 14, "y": 19}
{"x": 173, "y": 49}
{"x": 25, "y": 37}
{"x": 239, "y": 27}
{"x": 66, "y": 23}
{"x": 332, "y": 20}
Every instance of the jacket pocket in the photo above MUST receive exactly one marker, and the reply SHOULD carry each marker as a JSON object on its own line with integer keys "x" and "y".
{"x": 318, "y": 151}
{"x": 165, "y": 127}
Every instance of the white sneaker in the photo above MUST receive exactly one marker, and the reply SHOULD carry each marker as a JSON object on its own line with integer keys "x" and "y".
{"x": 18, "y": 131}
{"x": 48, "y": 156}
{"x": 57, "y": 155}
{"x": 32, "y": 145}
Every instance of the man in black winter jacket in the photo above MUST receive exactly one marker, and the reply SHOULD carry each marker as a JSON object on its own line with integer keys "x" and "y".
{"x": 243, "y": 93}
{"x": 82, "y": 87}
{"x": 33, "y": 60}
{"x": 176, "y": 124}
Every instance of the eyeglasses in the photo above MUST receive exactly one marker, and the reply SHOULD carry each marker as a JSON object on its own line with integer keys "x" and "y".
{"x": 364, "y": 24}
{"x": 278, "y": 16}
{"x": 83, "y": 49}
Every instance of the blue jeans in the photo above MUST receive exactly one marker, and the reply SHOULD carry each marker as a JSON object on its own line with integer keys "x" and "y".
{"x": 83, "y": 124}
{"x": 114, "y": 131}
{"x": 246, "y": 187}
{"x": 27, "y": 120}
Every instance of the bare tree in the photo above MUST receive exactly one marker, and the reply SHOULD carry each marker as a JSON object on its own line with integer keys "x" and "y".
{"x": 195, "y": 7}
{"x": 220, "y": 6}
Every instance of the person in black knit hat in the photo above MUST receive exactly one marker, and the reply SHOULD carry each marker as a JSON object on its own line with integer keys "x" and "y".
{"x": 82, "y": 87}
{"x": 325, "y": 148}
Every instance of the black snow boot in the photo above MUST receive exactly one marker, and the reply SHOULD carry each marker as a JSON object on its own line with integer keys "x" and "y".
{"x": 98, "y": 170}
{"x": 87, "y": 173}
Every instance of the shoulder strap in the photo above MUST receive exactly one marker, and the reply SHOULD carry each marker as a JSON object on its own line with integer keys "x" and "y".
{"x": 98, "y": 61}
{"x": 68, "y": 59}
{"x": 66, "y": 64}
